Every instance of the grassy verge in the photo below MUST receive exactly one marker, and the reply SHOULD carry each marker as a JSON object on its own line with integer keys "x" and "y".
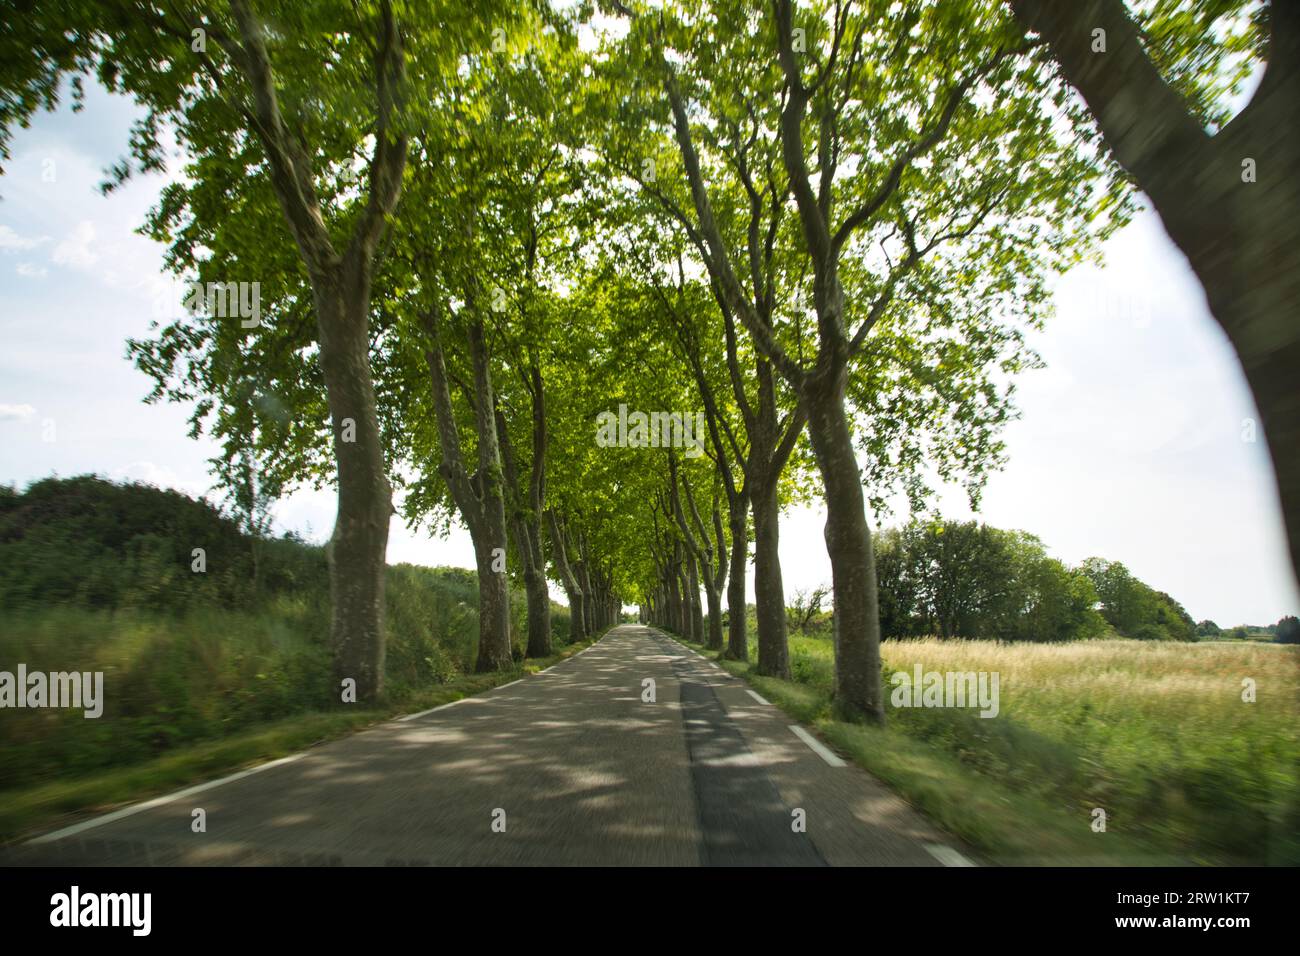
{"x": 24, "y": 812}
{"x": 1156, "y": 735}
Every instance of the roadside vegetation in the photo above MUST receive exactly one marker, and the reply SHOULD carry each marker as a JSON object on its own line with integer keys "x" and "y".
{"x": 204, "y": 670}
{"x": 610, "y": 286}
{"x": 1154, "y": 733}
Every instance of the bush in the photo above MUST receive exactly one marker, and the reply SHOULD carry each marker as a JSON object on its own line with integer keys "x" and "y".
{"x": 96, "y": 576}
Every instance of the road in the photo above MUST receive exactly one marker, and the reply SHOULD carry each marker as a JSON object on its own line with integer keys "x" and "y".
{"x": 570, "y": 766}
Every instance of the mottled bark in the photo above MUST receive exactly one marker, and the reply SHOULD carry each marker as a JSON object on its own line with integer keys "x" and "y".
{"x": 769, "y": 589}
{"x": 525, "y": 515}
{"x": 848, "y": 543}
{"x": 340, "y": 283}
{"x": 568, "y": 579}
{"x": 359, "y": 544}
{"x": 480, "y": 499}
{"x": 737, "y": 644}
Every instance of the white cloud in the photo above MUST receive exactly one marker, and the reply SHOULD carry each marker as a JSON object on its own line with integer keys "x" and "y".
{"x": 29, "y": 271}
{"x": 75, "y": 250}
{"x": 11, "y": 241}
{"x": 16, "y": 413}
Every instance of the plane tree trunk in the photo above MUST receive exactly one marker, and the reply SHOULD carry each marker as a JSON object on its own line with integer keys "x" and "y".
{"x": 341, "y": 287}
{"x": 479, "y": 498}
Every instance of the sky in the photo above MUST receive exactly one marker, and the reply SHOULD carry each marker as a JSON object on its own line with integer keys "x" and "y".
{"x": 1133, "y": 443}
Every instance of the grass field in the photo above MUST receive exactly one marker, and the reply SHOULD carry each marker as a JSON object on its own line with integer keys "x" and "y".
{"x": 1155, "y": 734}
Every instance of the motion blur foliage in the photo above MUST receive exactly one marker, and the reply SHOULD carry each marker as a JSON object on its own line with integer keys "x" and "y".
{"x": 97, "y": 576}
{"x": 1288, "y": 630}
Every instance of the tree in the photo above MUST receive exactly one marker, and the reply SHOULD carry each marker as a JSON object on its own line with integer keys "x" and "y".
{"x": 964, "y": 574}
{"x": 1224, "y": 186}
{"x": 1288, "y": 630}
{"x": 916, "y": 198}
{"x": 807, "y": 606}
{"x": 754, "y": 424}
{"x": 1135, "y": 609}
{"x": 276, "y": 108}
{"x": 253, "y": 496}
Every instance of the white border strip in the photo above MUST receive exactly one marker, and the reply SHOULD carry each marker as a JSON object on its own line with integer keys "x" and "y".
{"x": 158, "y": 802}
{"x": 817, "y": 747}
{"x": 758, "y": 697}
{"x": 947, "y": 855}
{"x": 453, "y": 703}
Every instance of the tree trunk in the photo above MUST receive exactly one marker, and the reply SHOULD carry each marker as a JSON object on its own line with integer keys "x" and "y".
{"x": 480, "y": 499}
{"x": 572, "y": 589}
{"x": 737, "y": 639}
{"x": 714, "y": 599}
{"x": 693, "y": 593}
{"x": 359, "y": 543}
{"x": 494, "y": 650}
{"x": 589, "y": 598}
{"x": 539, "y": 613}
{"x": 769, "y": 590}
{"x": 848, "y": 543}
{"x": 675, "y": 603}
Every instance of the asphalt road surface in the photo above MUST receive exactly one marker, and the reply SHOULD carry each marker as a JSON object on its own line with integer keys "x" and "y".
{"x": 570, "y": 766}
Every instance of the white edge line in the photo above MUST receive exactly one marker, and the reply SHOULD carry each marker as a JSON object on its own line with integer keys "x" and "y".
{"x": 158, "y": 801}
{"x": 947, "y": 855}
{"x": 511, "y": 684}
{"x": 432, "y": 709}
{"x": 758, "y": 697}
{"x": 168, "y": 798}
{"x": 817, "y": 746}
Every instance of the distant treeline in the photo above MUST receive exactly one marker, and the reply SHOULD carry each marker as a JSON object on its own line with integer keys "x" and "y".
{"x": 965, "y": 579}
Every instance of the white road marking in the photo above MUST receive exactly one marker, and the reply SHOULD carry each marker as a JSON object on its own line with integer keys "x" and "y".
{"x": 511, "y": 684}
{"x": 817, "y": 746}
{"x": 158, "y": 802}
{"x": 132, "y": 810}
{"x": 432, "y": 709}
{"x": 947, "y": 855}
{"x": 758, "y": 697}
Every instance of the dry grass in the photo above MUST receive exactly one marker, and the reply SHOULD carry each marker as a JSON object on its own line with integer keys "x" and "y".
{"x": 1156, "y": 734}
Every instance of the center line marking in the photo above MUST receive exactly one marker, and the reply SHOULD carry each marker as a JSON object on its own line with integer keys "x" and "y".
{"x": 817, "y": 747}
{"x": 758, "y": 697}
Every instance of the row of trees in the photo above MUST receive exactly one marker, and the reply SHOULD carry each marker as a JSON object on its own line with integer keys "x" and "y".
{"x": 823, "y": 226}
{"x": 963, "y": 579}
